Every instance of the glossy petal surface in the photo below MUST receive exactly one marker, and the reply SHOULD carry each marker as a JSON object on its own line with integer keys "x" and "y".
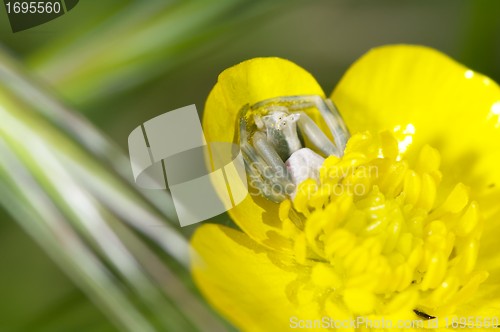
{"x": 249, "y": 284}
{"x": 420, "y": 94}
{"x": 428, "y": 98}
{"x": 248, "y": 83}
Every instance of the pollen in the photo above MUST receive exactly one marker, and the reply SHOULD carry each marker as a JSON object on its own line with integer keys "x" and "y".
{"x": 380, "y": 234}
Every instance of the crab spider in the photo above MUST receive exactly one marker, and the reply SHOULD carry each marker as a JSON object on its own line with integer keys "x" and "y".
{"x": 282, "y": 145}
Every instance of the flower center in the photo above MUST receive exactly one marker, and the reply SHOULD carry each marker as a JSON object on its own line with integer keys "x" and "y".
{"x": 378, "y": 237}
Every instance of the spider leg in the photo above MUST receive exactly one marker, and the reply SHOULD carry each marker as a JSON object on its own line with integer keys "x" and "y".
{"x": 317, "y": 137}
{"x": 273, "y": 184}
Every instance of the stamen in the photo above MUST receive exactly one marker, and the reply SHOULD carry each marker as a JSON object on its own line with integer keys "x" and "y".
{"x": 376, "y": 238}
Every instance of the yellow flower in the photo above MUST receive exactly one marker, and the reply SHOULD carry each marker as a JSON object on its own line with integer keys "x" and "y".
{"x": 408, "y": 249}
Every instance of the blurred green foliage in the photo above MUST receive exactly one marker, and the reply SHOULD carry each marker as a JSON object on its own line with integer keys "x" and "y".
{"x": 120, "y": 63}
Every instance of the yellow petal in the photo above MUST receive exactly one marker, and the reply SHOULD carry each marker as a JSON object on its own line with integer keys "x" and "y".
{"x": 444, "y": 104}
{"x": 248, "y": 83}
{"x": 428, "y": 98}
{"x": 248, "y": 284}
{"x": 484, "y": 309}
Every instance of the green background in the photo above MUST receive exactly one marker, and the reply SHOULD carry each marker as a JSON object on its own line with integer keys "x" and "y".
{"x": 181, "y": 48}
